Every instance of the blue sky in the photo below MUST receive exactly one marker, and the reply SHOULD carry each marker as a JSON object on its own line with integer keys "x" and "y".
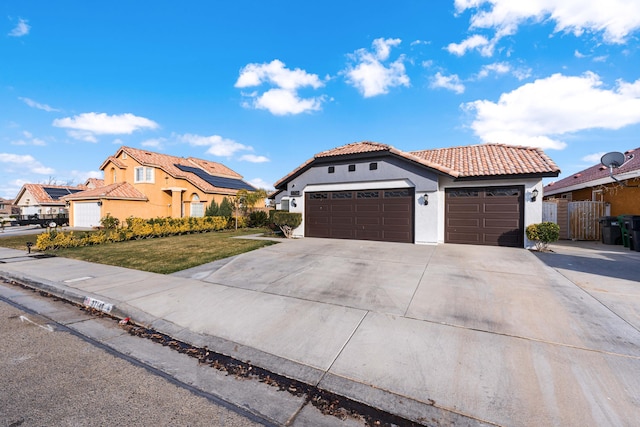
{"x": 263, "y": 86}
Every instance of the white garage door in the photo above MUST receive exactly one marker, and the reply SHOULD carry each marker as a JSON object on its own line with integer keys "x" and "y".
{"x": 86, "y": 214}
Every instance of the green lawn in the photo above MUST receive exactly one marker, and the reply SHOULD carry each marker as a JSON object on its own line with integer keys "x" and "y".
{"x": 161, "y": 255}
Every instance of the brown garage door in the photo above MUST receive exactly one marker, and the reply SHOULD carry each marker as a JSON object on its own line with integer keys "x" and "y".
{"x": 384, "y": 215}
{"x": 485, "y": 216}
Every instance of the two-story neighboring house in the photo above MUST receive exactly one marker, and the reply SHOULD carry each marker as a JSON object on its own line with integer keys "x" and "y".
{"x": 145, "y": 184}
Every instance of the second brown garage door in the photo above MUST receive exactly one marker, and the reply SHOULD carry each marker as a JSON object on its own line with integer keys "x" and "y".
{"x": 383, "y": 215}
{"x": 485, "y": 216}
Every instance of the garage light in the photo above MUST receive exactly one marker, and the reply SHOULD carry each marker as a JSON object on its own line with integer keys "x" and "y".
{"x": 293, "y": 203}
{"x": 534, "y": 194}
{"x": 426, "y": 200}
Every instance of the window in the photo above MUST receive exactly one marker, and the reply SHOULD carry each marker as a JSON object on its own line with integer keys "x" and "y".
{"x": 144, "y": 174}
{"x": 373, "y": 166}
{"x": 113, "y": 174}
{"x": 352, "y": 168}
{"x": 368, "y": 194}
{"x": 197, "y": 207}
{"x": 342, "y": 195}
{"x": 332, "y": 169}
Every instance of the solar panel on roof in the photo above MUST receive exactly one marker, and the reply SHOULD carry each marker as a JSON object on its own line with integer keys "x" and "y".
{"x": 56, "y": 193}
{"x": 217, "y": 181}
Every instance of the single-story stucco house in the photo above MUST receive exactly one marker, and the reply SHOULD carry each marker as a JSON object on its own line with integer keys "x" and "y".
{"x": 481, "y": 194}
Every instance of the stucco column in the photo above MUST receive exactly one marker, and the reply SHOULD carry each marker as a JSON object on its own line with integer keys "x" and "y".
{"x": 176, "y": 201}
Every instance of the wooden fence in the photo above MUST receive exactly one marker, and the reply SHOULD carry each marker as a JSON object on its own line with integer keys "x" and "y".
{"x": 577, "y": 220}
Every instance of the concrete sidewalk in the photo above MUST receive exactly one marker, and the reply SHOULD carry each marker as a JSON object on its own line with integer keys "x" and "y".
{"x": 447, "y": 334}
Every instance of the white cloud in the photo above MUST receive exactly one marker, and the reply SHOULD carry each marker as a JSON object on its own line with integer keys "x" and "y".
{"x": 475, "y": 42}
{"x": 370, "y": 76}
{"x": 496, "y": 68}
{"x": 260, "y": 183}
{"x": 22, "y": 29}
{"x": 154, "y": 143}
{"x": 539, "y": 113}
{"x": 593, "y": 158}
{"x": 282, "y": 98}
{"x": 29, "y": 140}
{"x": 577, "y": 54}
{"x": 252, "y": 158}
{"x": 451, "y": 82}
{"x": 33, "y": 104}
{"x": 217, "y": 145}
{"x": 17, "y": 162}
{"x": 282, "y": 102}
{"x": 501, "y": 68}
{"x": 615, "y": 19}
{"x": 86, "y": 126}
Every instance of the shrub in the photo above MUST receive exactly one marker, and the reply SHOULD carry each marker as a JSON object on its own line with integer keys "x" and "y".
{"x": 258, "y": 219}
{"x": 109, "y": 222}
{"x": 287, "y": 221}
{"x": 543, "y": 234}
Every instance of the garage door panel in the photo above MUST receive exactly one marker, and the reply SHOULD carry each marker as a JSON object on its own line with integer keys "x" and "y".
{"x": 464, "y": 222}
{"x": 385, "y": 215}
{"x": 485, "y": 215}
{"x": 502, "y": 208}
{"x": 402, "y": 222}
{"x": 366, "y": 207}
{"x": 463, "y": 208}
{"x": 503, "y": 224}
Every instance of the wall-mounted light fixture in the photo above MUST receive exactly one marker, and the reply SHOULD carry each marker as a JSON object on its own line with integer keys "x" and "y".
{"x": 534, "y": 194}
{"x": 99, "y": 202}
{"x": 425, "y": 200}
{"x": 293, "y": 203}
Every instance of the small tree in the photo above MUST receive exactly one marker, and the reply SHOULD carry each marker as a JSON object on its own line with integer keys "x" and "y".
{"x": 543, "y": 234}
{"x": 226, "y": 208}
{"x": 213, "y": 209}
{"x": 287, "y": 221}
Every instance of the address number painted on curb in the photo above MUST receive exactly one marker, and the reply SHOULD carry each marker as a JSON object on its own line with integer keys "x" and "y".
{"x": 98, "y": 305}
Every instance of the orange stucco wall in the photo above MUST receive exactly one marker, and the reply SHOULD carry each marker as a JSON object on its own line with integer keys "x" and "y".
{"x": 165, "y": 197}
{"x": 623, "y": 200}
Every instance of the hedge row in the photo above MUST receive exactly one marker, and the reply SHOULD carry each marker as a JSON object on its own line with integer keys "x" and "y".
{"x": 136, "y": 229}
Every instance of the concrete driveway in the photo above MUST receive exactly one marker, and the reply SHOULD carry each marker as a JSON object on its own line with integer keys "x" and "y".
{"x": 447, "y": 334}
{"x": 489, "y": 332}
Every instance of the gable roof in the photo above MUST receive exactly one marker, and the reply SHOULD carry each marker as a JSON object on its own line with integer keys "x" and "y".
{"x": 199, "y": 172}
{"x": 46, "y": 194}
{"x": 596, "y": 175}
{"x": 482, "y": 160}
{"x": 119, "y": 190}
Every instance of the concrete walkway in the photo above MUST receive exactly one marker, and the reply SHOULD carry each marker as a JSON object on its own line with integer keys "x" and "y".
{"x": 447, "y": 334}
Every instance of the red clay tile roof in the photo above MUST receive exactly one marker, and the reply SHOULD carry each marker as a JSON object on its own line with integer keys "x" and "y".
{"x": 467, "y": 161}
{"x": 168, "y": 164}
{"x": 119, "y": 190}
{"x": 584, "y": 178}
{"x": 94, "y": 183}
{"x": 42, "y": 197}
{"x": 491, "y": 160}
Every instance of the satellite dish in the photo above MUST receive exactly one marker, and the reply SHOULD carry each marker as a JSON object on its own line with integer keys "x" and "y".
{"x": 613, "y": 159}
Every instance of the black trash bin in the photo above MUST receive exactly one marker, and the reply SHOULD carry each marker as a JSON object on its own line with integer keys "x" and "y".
{"x": 610, "y": 230}
{"x": 634, "y": 232}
